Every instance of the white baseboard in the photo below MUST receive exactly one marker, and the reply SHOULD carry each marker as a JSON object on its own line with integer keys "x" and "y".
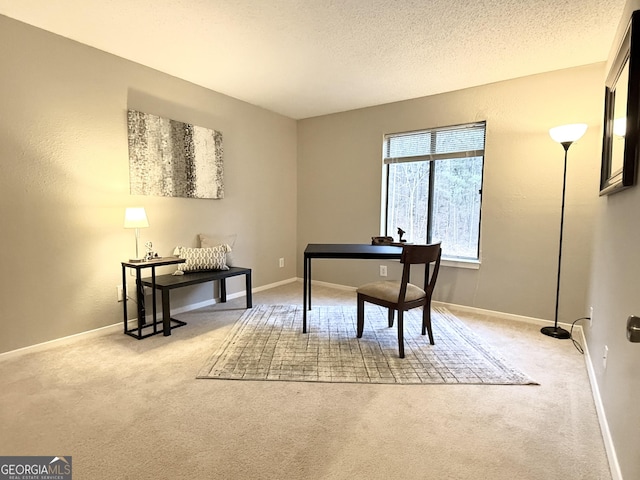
{"x": 97, "y": 332}
{"x": 614, "y": 465}
{"x": 272, "y": 285}
{"x": 327, "y": 284}
{"x": 119, "y": 326}
{"x": 505, "y": 316}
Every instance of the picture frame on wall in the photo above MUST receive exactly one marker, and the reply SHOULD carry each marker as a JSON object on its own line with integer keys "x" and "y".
{"x": 174, "y": 159}
{"x": 621, "y": 125}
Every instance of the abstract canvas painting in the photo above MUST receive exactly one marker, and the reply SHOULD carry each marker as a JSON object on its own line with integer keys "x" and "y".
{"x": 173, "y": 159}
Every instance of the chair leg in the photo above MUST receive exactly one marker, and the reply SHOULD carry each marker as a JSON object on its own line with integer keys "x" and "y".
{"x": 400, "y": 334}
{"x": 391, "y": 314}
{"x": 426, "y": 322}
{"x": 360, "y": 316}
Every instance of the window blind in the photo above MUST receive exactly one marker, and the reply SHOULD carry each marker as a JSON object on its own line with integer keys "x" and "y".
{"x": 460, "y": 141}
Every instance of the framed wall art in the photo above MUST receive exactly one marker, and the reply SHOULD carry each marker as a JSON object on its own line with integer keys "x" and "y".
{"x": 173, "y": 159}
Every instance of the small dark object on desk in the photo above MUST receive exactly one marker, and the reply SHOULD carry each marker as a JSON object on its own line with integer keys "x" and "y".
{"x": 381, "y": 240}
{"x": 401, "y": 232}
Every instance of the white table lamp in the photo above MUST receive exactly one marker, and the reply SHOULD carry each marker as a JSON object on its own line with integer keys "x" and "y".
{"x": 136, "y": 217}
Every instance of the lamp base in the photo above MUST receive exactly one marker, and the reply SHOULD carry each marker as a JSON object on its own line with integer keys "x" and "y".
{"x": 556, "y": 332}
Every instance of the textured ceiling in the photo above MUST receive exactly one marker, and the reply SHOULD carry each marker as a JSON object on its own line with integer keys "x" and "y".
{"x": 304, "y": 58}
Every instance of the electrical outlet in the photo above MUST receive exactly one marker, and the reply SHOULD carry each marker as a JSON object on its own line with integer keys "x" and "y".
{"x": 120, "y": 293}
{"x": 591, "y": 316}
{"x": 383, "y": 270}
{"x": 605, "y": 354}
{"x": 281, "y": 263}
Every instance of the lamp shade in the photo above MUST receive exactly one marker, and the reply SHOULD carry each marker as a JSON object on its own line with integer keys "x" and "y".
{"x": 620, "y": 126}
{"x": 135, "y": 217}
{"x": 568, "y": 133}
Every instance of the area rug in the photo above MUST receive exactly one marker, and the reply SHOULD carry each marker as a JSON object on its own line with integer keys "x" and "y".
{"x": 267, "y": 343}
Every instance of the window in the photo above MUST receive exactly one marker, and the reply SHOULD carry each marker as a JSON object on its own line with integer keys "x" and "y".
{"x": 433, "y": 183}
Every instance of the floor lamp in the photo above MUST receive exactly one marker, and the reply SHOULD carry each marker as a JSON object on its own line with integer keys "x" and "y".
{"x": 565, "y": 135}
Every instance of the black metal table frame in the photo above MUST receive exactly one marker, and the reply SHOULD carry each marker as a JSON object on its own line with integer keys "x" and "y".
{"x": 166, "y": 283}
{"x": 353, "y": 251}
{"x": 142, "y": 321}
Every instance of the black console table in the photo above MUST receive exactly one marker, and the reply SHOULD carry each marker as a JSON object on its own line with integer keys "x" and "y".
{"x": 340, "y": 250}
{"x": 137, "y": 332}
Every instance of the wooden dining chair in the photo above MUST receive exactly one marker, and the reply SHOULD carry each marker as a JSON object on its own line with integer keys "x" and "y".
{"x": 403, "y": 295}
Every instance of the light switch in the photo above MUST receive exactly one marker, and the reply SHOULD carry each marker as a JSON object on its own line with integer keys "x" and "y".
{"x": 633, "y": 329}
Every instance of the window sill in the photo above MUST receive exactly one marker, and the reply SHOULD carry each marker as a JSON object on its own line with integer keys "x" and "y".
{"x": 470, "y": 264}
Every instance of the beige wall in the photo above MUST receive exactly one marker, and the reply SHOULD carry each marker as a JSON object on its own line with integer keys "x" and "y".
{"x": 339, "y": 185}
{"x": 340, "y": 175}
{"x": 64, "y": 187}
{"x": 65, "y": 184}
{"x": 615, "y": 295}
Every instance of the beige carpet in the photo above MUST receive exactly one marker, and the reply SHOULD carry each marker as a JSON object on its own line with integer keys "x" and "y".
{"x": 267, "y": 343}
{"x": 132, "y": 409}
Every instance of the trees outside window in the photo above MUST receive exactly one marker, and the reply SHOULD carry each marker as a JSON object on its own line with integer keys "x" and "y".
{"x": 434, "y": 187}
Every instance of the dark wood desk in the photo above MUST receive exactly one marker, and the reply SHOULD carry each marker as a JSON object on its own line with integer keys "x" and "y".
{"x": 340, "y": 250}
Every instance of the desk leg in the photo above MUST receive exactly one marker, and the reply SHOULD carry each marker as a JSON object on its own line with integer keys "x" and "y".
{"x": 248, "y": 289}
{"x": 124, "y": 294}
{"x": 153, "y": 299}
{"x": 304, "y": 295}
{"x": 309, "y": 282}
{"x": 166, "y": 313}
{"x": 140, "y": 298}
{"x": 223, "y": 290}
